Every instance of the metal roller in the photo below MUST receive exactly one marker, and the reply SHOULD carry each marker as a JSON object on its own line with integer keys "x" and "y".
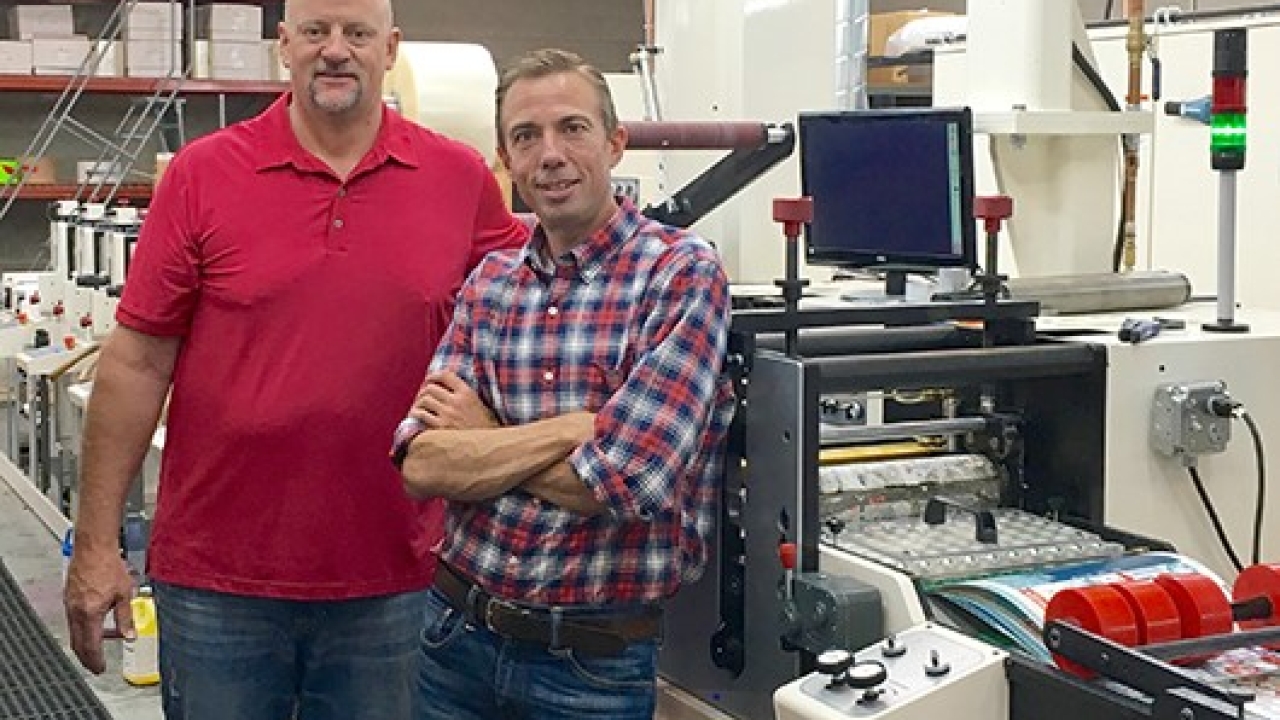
{"x": 695, "y": 135}
{"x": 1103, "y": 292}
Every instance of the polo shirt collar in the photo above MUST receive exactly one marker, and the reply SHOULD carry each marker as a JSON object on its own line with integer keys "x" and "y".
{"x": 281, "y": 146}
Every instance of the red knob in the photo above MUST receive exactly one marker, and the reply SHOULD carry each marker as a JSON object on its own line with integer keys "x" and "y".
{"x": 792, "y": 213}
{"x": 86, "y": 321}
{"x": 787, "y": 554}
{"x": 992, "y": 209}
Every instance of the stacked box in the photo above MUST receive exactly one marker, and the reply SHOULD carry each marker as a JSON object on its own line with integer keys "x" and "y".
{"x": 221, "y": 21}
{"x": 153, "y": 40}
{"x": 110, "y": 64}
{"x": 58, "y": 56}
{"x": 153, "y": 58}
{"x": 238, "y": 60}
{"x": 275, "y": 63}
{"x": 99, "y": 171}
{"x": 15, "y": 57}
{"x": 154, "y": 21}
{"x": 33, "y": 21}
{"x": 881, "y": 26}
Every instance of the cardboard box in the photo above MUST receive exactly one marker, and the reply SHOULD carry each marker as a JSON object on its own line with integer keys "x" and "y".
{"x": 275, "y": 65}
{"x": 41, "y": 170}
{"x": 15, "y": 57}
{"x": 58, "y": 56}
{"x": 200, "y": 60}
{"x": 154, "y": 21}
{"x": 153, "y": 58}
{"x": 238, "y": 60}
{"x": 221, "y": 21}
{"x": 111, "y": 62}
{"x": 33, "y": 21}
{"x": 880, "y": 27}
{"x": 95, "y": 171}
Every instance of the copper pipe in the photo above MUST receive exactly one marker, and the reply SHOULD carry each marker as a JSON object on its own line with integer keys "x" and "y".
{"x": 650, "y": 31}
{"x": 1135, "y": 45}
{"x": 695, "y": 135}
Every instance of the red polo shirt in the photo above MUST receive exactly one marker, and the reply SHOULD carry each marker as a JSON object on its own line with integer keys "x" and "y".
{"x": 308, "y": 309}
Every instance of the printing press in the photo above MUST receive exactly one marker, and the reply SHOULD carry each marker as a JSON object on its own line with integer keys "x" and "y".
{"x": 879, "y": 453}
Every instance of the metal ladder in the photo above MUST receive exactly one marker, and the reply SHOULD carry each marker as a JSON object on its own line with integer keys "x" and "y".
{"x": 117, "y": 153}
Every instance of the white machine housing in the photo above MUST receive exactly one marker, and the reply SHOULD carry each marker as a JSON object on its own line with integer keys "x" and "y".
{"x": 941, "y": 674}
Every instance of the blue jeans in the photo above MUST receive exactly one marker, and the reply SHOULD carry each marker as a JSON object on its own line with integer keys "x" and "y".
{"x": 469, "y": 673}
{"x": 230, "y": 657}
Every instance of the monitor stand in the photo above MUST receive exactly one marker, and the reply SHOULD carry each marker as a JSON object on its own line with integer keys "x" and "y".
{"x": 894, "y": 291}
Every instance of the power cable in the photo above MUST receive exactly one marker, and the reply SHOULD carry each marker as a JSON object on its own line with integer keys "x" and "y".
{"x": 1214, "y": 519}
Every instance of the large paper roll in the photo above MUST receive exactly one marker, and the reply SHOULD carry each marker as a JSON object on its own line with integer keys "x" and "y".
{"x": 447, "y": 87}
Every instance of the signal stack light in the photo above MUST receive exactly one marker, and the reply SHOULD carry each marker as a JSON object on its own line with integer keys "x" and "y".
{"x": 1226, "y": 122}
{"x": 1226, "y": 155}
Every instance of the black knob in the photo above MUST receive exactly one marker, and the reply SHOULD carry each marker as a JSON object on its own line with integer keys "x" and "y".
{"x": 892, "y": 648}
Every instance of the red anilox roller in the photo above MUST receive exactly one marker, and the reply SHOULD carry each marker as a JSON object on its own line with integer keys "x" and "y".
{"x": 1156, "y": 612}
{"x": 1100, "y": 609}
{"x": 1202, "y": 606}
{"x": 1256, "y": 596}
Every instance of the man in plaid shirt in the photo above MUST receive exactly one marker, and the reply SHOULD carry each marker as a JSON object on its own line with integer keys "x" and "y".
{"x": 574, "y": 416}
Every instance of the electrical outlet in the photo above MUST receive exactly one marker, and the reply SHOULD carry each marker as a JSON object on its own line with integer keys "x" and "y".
{"x": 1182, "y": 424}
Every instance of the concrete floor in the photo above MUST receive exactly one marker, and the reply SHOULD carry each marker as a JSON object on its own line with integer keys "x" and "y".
{"x": 33, "y": 557}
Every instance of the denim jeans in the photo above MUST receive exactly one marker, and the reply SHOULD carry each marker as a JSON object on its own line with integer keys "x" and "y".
{"x": 230, "y": 657}
{"x": 469, "y": 673}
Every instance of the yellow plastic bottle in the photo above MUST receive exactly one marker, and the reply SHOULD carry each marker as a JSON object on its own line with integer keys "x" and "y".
{"x": 141, "y": 661}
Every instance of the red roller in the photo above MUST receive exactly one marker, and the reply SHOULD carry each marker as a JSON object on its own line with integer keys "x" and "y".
{"x": 1157, "y": 614}
{"x": 1102, "y": 610}
{"x": 692, "y": 135}
{"x": 1259, "y": 581}
{"x": 1203, "y": 607}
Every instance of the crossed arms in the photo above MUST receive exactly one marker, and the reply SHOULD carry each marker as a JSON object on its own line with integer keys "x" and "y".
{"x": 467, "y": 456}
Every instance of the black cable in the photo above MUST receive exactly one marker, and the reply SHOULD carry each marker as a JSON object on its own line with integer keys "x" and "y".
{"x": 1213, "y": 518}
{"x": 1106, "y": 14}
{"x": 1091, "y": 74}
{"x": 1100, "y": 86}
{"x": 1260, "y": 458}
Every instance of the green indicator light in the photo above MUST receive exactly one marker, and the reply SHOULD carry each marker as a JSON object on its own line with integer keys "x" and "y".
{"x": 1227, "y": 132}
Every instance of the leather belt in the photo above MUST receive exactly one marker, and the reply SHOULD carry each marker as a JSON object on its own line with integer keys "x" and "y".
{"x": 599, "y": 636}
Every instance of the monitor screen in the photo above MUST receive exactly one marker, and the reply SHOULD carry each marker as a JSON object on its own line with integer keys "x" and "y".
{"x": 891, "y": 189}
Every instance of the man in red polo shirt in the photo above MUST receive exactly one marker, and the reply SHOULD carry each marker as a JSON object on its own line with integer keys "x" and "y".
{"x": 292, "y": 278}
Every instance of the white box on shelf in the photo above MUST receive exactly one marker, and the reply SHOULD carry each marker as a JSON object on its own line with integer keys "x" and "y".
{"x": 32, "y": 21}
{"x": 58, "y": 56}
{"x": 275, "y": 65}
{"x": 104, "y": 171}
{"x": 238, "y": 60}
{"x": 111, "y": 62}
{"x": 153, "y": 58}
{"x": 200, "y": 59}
{"x": 223, "y": 21}
{"x": 15, "y": 57}
{"x": 154, "y": 21}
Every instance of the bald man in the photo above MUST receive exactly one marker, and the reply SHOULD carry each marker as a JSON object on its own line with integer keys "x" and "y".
{"x": 293, "y": 277}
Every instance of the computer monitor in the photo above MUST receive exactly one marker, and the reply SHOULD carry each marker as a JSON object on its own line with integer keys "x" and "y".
{"x": 892, "y": 190}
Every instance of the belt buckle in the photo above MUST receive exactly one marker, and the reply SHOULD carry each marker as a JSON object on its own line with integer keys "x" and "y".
{"x": 498, "y": 604}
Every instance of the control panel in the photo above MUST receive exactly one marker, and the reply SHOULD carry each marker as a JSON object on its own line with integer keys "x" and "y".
{"x": 924, "y": 672}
